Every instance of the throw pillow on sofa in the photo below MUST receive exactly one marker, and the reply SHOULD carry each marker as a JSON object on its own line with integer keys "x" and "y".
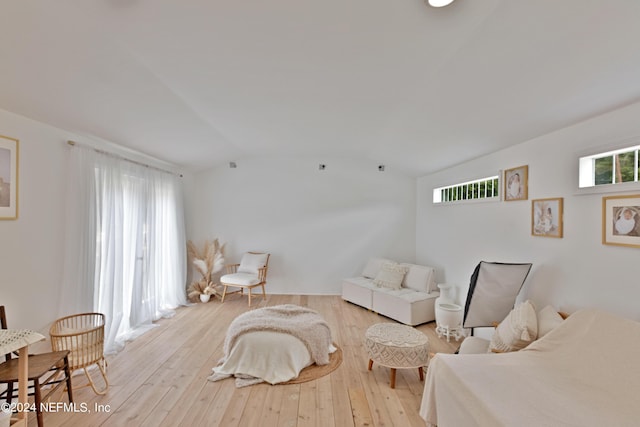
{"x": 420, "y": 278}
{"x": 373, "y": 267}
{"x": 390, "y": 275}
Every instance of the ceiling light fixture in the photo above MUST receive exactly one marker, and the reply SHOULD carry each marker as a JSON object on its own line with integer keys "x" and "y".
{"x": 440, "y": 3}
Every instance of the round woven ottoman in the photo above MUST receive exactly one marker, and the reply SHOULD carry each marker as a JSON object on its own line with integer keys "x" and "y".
{"x": 397, "y": 347}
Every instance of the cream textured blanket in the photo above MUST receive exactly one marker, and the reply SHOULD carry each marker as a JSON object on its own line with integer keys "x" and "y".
{"x": 301, "y": 322}
{"x": 585, "y": 372}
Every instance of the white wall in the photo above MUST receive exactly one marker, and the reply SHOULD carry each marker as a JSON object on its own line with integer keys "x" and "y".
{"x": 31, "y": 253}
{"x": 573, "y": 272}
{"x": 319, "y": 226}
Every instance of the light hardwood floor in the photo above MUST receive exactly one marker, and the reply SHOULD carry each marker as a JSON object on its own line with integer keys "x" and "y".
{"x": 159, "y": 379}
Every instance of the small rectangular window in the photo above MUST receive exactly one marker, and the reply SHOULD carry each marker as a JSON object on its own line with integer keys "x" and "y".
{"x": 485, "y": 188}
{"x": 612, "y": 167}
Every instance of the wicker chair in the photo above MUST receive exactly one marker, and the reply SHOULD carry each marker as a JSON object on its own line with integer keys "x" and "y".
{"x": 83, "y": 335}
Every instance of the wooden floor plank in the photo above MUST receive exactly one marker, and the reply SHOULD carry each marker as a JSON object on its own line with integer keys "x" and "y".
{"x": 342, "y": 411}
{"x": 307, "y": 404}
{"x": 324, "y": 403}
{"x": 235, "y": 410}
{"x": 272, "y": 404}
{"x": 361, "y": 411}
{"x": 252, "y": 411}
{"x": 290, "y": 404}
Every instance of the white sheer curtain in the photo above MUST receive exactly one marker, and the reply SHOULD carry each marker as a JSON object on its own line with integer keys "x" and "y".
{"x": 126, "y": 248}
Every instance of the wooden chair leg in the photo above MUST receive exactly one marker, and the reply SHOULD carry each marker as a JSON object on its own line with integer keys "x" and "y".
{"x": 37, "y": 400}
{"x": 393, "y": 378}
{"x": 264, "y": 295}
{"x": 9, "y": 392}
{"x": 224, "y": 293}
{"x": 370, "y": 364}
{"x": 67, "y": 373}
{"x": 249, "y": 289}
{"x": 421, "y": 373}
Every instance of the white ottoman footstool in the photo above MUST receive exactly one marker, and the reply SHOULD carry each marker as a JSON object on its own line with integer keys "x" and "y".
{"x": 397, "y": 347}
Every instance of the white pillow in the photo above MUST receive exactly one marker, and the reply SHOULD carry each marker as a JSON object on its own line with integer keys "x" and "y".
{"x": 517, "y": 330}
{"x": 373, "y": 267}
{"x": 390, "y": 275}
{"x": 420, "y": 278}
{"x": 250, "y": 263}
{"x": 548, "y": 318}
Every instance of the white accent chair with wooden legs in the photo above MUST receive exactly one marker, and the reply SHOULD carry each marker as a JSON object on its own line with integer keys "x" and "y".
{"x": 250, "y": 273}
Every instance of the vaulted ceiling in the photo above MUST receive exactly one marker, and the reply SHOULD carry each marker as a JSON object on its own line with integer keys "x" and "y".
{"x": 198, "y": 83}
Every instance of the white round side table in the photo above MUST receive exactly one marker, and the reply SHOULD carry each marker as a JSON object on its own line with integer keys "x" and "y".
{"x": 449, "y": 320}
{"x": 448, "y": 314}
{"x": 397, "y": 347}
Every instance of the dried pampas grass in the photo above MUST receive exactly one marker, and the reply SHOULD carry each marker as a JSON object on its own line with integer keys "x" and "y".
{"x": 207, "y": 262}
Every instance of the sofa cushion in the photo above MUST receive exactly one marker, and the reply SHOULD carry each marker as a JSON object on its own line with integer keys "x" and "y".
{"x": 405, "y": 305}
{"x": 405, "y": 294}
{"x": 373, "y": 267}
{"x": 420, "y": 278}
{"x": 358, "y": 290}
{"x": 390, "y": 275}
{"x": 362, "y": 282}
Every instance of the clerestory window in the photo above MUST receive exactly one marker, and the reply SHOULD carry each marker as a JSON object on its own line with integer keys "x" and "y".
{"x": 611, "y": 167}
{"x": 484, "y": 188}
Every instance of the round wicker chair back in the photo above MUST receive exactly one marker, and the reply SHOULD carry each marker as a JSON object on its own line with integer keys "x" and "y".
{"x": 83, "y": 335}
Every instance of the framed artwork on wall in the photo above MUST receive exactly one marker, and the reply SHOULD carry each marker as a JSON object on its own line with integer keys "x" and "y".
{"x": 546, "y": 217}
{"x": 8, "y": 177}
{"x": 621, "y": 220}
{"x": 516, "y": 181}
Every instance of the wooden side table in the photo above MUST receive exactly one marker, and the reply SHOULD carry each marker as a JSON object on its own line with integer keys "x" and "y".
{"x": 397, "y": 347}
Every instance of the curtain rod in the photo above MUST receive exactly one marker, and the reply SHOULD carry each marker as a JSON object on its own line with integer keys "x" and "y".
{"x": 117, "y": 156}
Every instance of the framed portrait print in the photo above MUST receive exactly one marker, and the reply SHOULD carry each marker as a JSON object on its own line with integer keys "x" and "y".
{"x": 546, "y": 217}
{"x": 8, "y": 178}
{"x": 516, "y": 183}
{"x": 621, "y": 220}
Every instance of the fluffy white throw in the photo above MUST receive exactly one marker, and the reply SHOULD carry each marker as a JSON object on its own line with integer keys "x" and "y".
{"x": 301, "y": 322}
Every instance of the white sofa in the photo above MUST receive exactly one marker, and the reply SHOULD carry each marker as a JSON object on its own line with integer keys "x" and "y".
{"x": 412, "y": 304}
